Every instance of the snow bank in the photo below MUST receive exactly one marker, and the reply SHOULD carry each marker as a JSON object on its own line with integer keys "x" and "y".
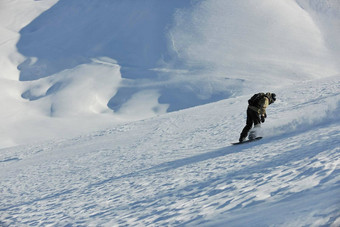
{"x": 82, "y": 90}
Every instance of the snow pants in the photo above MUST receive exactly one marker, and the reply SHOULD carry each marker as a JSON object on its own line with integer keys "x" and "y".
{"x": 252, "y": 118}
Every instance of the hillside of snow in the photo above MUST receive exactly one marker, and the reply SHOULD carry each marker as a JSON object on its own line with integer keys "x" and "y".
{"x": 122, "y": 113}
{"x": 179, "y": 169}
{"x": 70, "y": 66}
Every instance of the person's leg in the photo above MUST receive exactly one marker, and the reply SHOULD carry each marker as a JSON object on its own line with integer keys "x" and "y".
{"x": 249, "y": 125}
{"x": 257, "y": 124}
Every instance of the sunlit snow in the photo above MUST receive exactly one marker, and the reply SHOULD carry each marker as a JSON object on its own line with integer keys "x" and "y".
{"x": 122, "y": 113}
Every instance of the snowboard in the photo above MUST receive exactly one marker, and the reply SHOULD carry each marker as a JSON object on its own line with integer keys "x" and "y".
{"x": 248, "y": 141}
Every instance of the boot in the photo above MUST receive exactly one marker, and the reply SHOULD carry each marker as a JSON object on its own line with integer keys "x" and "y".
{"x": 242, "y": 138}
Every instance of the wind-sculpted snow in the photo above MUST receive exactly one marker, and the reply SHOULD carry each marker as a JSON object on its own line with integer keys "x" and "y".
{"x": 180, "y": 169}
{"x": 186, "y": 53}
{"x": 133, "y": 33}
{"x": 74, "y": 66}
{"x": 72, "y": 32}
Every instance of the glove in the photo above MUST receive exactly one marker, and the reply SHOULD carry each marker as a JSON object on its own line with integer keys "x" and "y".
{"x": 263, "y": 118}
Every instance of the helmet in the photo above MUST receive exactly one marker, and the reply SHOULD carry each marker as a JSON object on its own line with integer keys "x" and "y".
{"x": 273, "y": 97}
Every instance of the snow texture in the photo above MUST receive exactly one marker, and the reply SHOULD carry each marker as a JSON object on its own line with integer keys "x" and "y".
{"x": 122, "y": 113}
{"x": 180, "y": 169}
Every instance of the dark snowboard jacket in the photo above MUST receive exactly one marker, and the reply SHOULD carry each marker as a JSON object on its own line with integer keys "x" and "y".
{"x": 263, "y": 103}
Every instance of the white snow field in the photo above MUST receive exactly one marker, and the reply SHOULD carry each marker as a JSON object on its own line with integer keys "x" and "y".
{"x": 180, "y": 169}
{"x": 122, "y": 113}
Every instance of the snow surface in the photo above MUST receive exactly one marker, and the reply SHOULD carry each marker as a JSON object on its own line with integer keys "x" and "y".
{"x": 122, "y": 113}
{"x": 180, "y": 169}
{"x": 163, "y": 55}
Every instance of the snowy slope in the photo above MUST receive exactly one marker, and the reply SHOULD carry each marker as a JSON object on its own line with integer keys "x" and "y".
{"x": 71, "y": 66}
{"x": 180, "y": 169}
{"x": 122, "y": 113}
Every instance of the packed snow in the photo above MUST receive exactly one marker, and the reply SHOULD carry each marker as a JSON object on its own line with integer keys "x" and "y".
{"x": 122, "y": 113}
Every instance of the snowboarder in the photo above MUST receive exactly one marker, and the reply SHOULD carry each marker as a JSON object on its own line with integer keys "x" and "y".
{"x": 256, "y": 113}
